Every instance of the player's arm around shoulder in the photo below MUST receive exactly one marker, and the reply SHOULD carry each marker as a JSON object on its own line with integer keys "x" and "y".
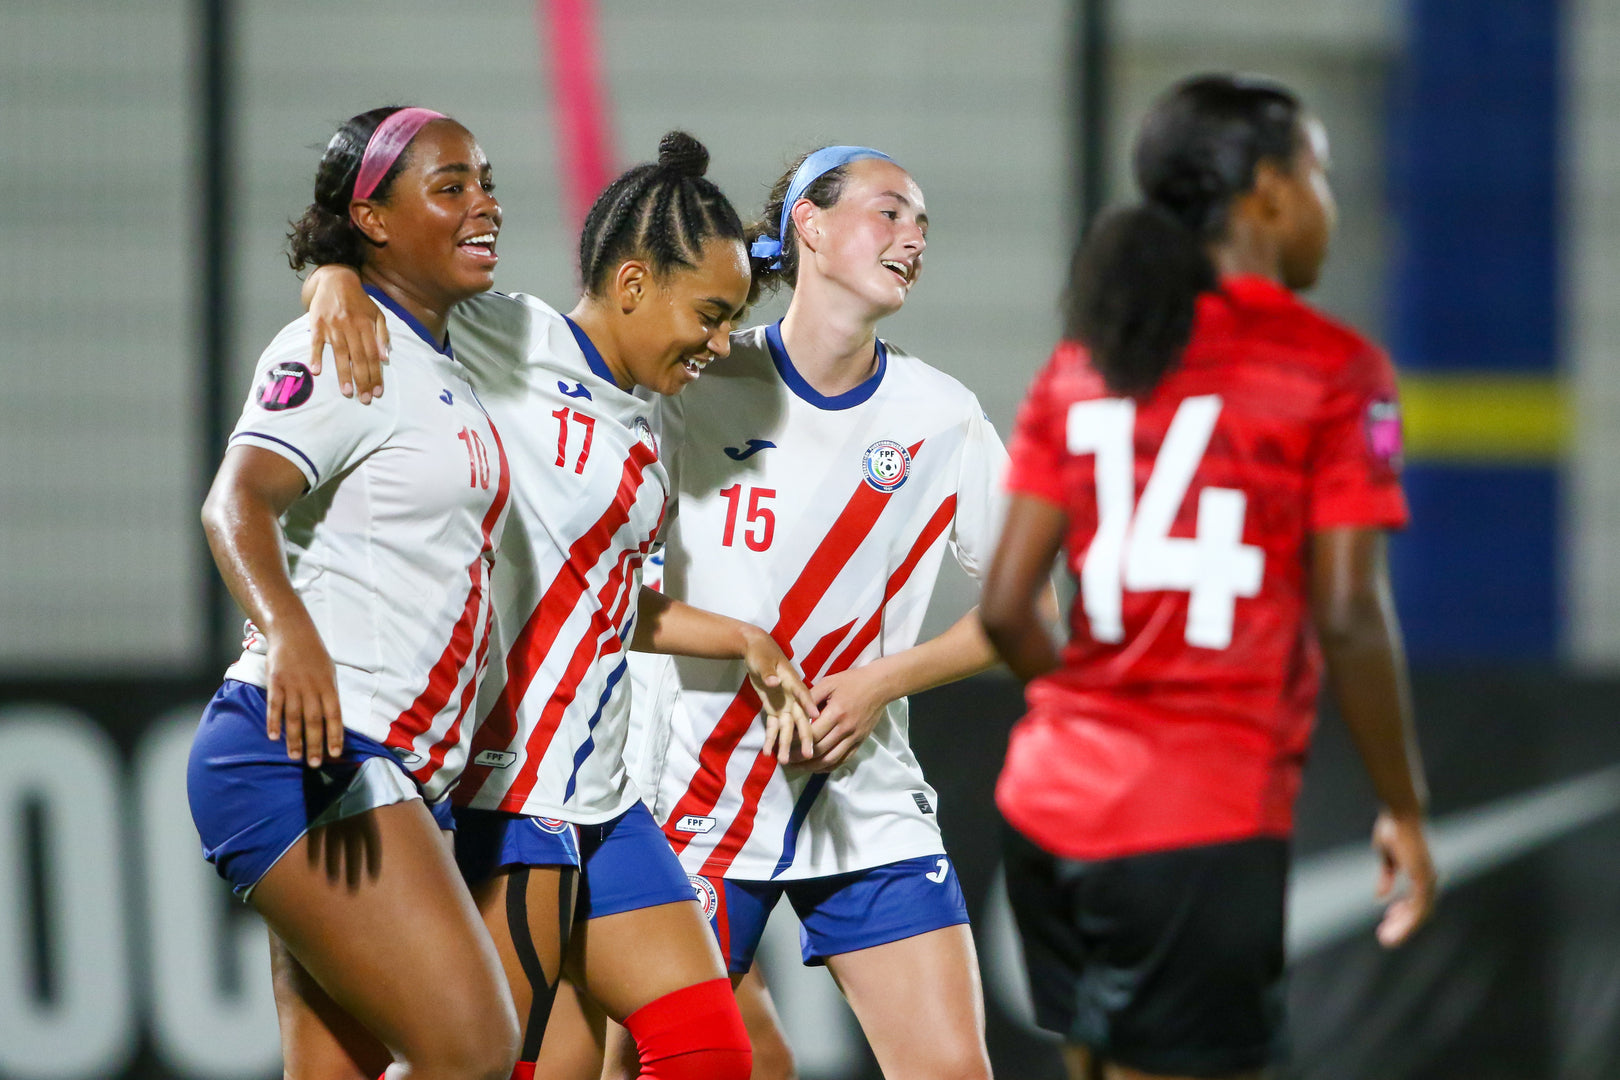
{"x": 344, "y": 321}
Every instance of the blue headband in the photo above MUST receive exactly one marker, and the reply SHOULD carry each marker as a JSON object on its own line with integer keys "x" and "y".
{"x": 814, "y": 167}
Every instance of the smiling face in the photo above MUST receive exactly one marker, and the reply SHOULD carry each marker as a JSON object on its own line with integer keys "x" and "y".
{"x": 869, "y": 244}
{"x": 436, "y": 230}
{"x": 680, "y": 321}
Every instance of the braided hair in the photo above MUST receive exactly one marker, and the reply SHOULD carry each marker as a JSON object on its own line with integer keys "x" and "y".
{"x": 663, "y": 212}
{"x": 324, "y": 233}
{"x": 1136, "y": 276}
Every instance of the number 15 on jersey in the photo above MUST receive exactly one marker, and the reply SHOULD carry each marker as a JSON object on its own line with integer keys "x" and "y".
{"x": 1133, "y": 549}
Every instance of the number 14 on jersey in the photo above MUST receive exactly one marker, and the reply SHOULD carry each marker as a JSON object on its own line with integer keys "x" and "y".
{"x": 1133, "y": 549}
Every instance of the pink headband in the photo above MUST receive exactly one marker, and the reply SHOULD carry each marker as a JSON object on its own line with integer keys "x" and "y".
{"x": 390, "y": 139}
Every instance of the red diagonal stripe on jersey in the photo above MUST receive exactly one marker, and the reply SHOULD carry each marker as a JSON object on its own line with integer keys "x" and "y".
{"x": 469, "y": 694}
{"x": 747, "y": 705}
{"x": 601, "y": 638}
{"x": 818, "y": 655}
{"x": 847, "y": 534}
{"x": 742, "y": 826}
{"x": 897, "y": 581}
{"x": 446, "y": 671}
{"x": 538, "y": 635}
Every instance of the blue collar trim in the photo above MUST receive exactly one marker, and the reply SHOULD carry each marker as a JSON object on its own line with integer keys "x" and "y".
{"x": 796, "y": 382}
{"x": 593, "y": 356}
{"x": 411, "y": 321}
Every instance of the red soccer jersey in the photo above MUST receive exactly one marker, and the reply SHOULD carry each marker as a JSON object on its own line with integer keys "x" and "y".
{"x": 1183, "y": 709}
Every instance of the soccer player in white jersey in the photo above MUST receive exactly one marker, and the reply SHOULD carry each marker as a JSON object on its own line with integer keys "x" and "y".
{"x": 819, "y": 478}
{"x": 361, "y": 542}
{"x": 666, "y": 272}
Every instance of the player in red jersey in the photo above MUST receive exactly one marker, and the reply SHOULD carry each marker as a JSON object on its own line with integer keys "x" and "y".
{"x": 1221, "y": 464}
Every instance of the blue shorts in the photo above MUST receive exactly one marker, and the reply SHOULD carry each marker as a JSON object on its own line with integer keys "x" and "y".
{"x": 251, "y": 802}
{"x": 488, "y": 840}
{"x": 838, "y": 914}
{"x": 628, "y": 865}
{"x": 625, "y": 863}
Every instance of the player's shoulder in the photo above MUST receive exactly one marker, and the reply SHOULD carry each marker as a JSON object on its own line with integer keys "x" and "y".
{"x": 924, "y": 384}
{"x": 1067, "y": 376}
{"x": 747, "y": 368}
{"x": 750, "y": 353}
{"x": 496, "y": 314}
{"x": 1316, "y": 338}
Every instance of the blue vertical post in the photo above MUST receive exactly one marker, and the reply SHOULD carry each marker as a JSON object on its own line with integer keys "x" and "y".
{"x": 1476, "y": 290}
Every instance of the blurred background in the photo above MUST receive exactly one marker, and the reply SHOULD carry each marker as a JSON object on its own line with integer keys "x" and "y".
{"x": 154, "y": 151}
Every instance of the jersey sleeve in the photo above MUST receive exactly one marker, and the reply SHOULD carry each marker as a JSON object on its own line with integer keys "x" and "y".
{"x": 304, "y": 418}
{"x": 980, "y": 504}
{"x": 1354, "y": 468}
{"x": 1038, "y": 442}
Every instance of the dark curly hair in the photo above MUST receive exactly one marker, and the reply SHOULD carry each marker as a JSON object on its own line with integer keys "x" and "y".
{"x": 324, "y": 234}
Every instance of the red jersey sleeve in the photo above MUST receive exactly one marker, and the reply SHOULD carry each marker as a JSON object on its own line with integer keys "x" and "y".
{"x": 1039, "y": 437}
{"x": 1355, "y": 463}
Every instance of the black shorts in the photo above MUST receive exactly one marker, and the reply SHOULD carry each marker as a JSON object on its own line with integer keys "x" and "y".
{"x": 1170, "y": 962}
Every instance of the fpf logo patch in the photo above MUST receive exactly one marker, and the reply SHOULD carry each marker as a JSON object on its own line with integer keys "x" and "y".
{"x": 708, "y": 899}
{"x": 644, "y": 434}
{"x": 885, "y": 465}
{"x": 287, "y": 386}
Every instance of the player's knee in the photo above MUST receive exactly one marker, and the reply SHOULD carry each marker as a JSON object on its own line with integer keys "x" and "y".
{"x": 483, "y": 1048}
{"x": 696, "y": 1033}
{"x": 773, "y": 1060}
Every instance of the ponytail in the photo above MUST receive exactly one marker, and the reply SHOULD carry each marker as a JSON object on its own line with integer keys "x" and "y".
{"x": 1132, "y": 291}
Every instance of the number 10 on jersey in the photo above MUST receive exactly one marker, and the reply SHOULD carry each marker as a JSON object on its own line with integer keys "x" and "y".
{"x": 1133, "y": 548}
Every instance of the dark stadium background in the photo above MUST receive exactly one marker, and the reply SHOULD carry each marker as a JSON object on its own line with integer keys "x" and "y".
{"x": 155, "y": 149}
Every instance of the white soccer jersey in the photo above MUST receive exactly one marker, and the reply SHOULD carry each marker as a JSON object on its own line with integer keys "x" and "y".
{"x": 588, "y": 494}
{"x": 823, "y": 520}
{"x": 392, "y": 546}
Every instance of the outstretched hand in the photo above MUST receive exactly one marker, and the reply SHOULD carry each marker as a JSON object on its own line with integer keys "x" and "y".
{"x": 342, "y": 316}
{"x": 1403, "y": 851}
{"x": 789, "y": 707}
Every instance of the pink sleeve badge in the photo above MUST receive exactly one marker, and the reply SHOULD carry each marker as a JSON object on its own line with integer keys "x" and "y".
{"x": 1383, "y": 427}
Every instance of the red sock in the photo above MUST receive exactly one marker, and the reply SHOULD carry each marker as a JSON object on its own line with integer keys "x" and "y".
{"x": 693, "y": 1034}
{"x": 523, "y": 1070}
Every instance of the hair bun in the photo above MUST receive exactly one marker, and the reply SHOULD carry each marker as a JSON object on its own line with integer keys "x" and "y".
{"x": 682, "y": 153}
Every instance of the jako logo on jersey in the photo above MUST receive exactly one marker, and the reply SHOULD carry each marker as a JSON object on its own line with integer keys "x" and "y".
{"x": 447, "y": 398}
{"x": 921, "y": 799}
{"x": 555, "y": 826}
{"x": 578, "y": 390}
{"x": 707, "y": 898}
{"x": 496, "y": 759}
{"x": 644, "y": 433}
{"x": 938, "y": 875}
{"x": 287, "y": 386}
{"x": 752, "y": 447}
{"x": 693, "y": 823}
{"x": 407, "y": 757}
{"x": 1383, "y": 425}
{"x": 886, "y": 464}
